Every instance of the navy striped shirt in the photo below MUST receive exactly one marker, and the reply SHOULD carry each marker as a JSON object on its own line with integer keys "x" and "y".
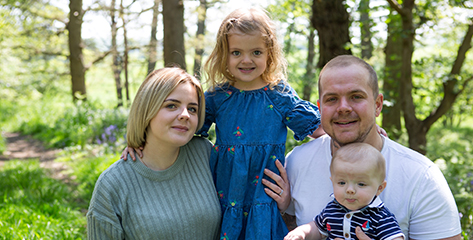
{"x": 376, "y": 221}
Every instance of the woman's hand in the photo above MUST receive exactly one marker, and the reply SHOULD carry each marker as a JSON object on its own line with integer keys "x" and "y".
{"x": 131, "y": 151}
{"x": 281, "y": 193}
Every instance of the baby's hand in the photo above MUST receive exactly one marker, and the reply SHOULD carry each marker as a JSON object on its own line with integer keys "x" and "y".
{"x": 131, "y": 151}
{"x": 295, "y": 235}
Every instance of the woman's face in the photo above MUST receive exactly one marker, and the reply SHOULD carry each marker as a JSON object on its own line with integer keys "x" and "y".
{"x": 176, "y": 121}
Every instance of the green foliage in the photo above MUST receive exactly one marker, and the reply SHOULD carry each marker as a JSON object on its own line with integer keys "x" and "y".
{"x": 60, "y": 123}
{"x": 452, "y": 150}
{"x": 35, "y": 206}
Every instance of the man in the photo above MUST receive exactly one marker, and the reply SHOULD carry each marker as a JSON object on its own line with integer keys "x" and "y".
{"x": 417, "y": 192}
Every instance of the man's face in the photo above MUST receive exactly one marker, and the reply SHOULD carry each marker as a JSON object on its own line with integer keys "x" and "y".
{"x": 347, "y": 105}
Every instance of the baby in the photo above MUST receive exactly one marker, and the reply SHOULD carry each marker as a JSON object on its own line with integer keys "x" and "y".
{"x": 358, "y": 173}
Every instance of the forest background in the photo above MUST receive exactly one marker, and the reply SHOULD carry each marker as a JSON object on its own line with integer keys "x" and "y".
{"x": 69, "y": 70}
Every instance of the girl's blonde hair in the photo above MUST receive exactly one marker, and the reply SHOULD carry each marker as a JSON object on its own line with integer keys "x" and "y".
{"x": 149, "y": 100}
{"x": 246, "y": 21}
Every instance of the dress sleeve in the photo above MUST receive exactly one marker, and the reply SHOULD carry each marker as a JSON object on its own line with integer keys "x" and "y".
{"x": 102, "y": 222}
{"x": 209, "y": 114}
{"x": 301, "y": 116}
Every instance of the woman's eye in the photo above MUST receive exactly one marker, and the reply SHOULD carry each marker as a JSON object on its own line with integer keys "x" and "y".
{"x": 236, "y": 53}
{"x": 192, "y": 110}
{"x": 170, "y": 106}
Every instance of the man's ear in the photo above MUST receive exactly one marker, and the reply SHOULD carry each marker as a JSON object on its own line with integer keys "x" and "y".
{"x": 381, "y": 187}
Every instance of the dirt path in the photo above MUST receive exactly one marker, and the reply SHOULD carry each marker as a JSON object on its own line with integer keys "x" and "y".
{"x": 24, "y": 147}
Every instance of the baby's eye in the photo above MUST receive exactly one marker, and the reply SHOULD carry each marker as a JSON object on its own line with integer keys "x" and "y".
{"x": 341, "y": 183}
{"x": 257, "y": 53}
{"x": 361, "y": 184}
{"x": 236, "y": 53}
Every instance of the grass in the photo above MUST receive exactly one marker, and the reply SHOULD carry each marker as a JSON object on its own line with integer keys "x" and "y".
{"x": 35, "y": 206}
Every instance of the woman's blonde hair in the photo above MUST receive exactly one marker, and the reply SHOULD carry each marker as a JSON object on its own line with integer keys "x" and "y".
{"x": 150, "y": 97}
{"x": 246, "y": 21}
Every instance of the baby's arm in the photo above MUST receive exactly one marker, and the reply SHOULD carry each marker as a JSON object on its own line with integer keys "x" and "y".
{"x": 306, "y": 231}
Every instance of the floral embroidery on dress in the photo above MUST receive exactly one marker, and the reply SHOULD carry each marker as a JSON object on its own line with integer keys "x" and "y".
{"x": 228, "y": 93}
{"x": 231, "y": 150}
{"x": 270, "y": 106}
{"x": 255, "y": 182}
{"x": 215, "y": 148}
{"x": 238, "y": 132}
{"x": 220, "y": 194}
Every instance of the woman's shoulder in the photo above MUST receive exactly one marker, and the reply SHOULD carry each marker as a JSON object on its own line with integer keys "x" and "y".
{"x": 200, "y": 143}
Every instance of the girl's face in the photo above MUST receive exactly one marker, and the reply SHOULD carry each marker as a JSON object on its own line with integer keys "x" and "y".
{"x": 176, "y": 121}
{"x": 247, "y": 59}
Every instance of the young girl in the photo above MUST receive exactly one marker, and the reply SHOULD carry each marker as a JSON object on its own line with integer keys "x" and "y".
{"x": 252, "y": 105}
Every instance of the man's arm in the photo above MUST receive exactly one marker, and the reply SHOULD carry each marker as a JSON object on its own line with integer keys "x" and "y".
{"x": 362, "y": 236}
{"x": 290, "y": 221}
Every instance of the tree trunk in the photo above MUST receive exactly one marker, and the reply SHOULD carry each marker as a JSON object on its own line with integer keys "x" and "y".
{"x": 200, "y": 35}
{"x": 309, "y": 78}
{"x": 173, "y": 21}
{"x": 392, "y": 74}
{"x": 125, "y": 55}
{"x": 153, "y": 43}
{"x": 115, "y": 56}
{"x": 417, "y": 129}
{"x": 331, "y": 19}
{"x": 76, "y": 59}
{"x": 365, "y": 21}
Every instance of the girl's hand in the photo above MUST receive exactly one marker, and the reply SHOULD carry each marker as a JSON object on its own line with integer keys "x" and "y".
{"x": 131, "y": 151}
{"x": 281, "y": 193}
{"x": 318, "y": 132}
{"x": 381, "y": 131}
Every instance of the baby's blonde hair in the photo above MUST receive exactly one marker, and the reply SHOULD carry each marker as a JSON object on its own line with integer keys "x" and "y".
{"x": 359, "y": 153}
{"x": 246, "y": 21}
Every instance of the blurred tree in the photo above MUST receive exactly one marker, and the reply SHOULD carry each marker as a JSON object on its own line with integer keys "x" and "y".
{"x": 331, "y": 19}
{"x": 366, "y": 23}
{"x": 452, "y": 86}
{"x": 153, "y": 42}
{"x": 173, "y": 21}
{"x": 76, "y": 57}
{"x": 391, "y": 121}
{"x": 116, "y": 59}
{"x": 200, "y": 35}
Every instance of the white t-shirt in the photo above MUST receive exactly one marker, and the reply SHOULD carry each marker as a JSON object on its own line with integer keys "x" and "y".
{"x": 416, "y": 192}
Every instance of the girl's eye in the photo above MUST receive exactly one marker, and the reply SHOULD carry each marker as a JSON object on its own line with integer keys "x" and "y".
{"x": 257, "y": 53}
{"x": 236, "y": 53}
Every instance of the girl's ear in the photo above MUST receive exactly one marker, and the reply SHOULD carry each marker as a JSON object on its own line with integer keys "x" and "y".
{"x": 381, "y": 187}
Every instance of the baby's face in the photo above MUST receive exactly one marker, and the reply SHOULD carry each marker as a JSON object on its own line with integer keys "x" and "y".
{"x": 355, "y": 184}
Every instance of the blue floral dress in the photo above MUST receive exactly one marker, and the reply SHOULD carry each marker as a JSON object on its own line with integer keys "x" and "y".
{"x": 251, "y": 129}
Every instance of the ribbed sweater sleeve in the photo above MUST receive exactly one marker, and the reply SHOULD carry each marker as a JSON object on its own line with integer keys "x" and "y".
{"x": 131, "y": 201}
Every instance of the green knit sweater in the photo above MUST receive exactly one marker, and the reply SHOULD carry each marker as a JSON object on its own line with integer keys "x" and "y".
{"x": 131, "y": 201}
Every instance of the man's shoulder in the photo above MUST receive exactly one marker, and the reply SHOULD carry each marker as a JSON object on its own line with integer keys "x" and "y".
{"x": 312, "y": 147}
{"x": 399, "y": 153}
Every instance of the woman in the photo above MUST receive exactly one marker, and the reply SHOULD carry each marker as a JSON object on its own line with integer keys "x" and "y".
{"x": 169, "y": 193}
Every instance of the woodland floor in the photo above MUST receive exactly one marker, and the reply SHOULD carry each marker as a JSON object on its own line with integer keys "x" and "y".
{"x": 24, "y": 147}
